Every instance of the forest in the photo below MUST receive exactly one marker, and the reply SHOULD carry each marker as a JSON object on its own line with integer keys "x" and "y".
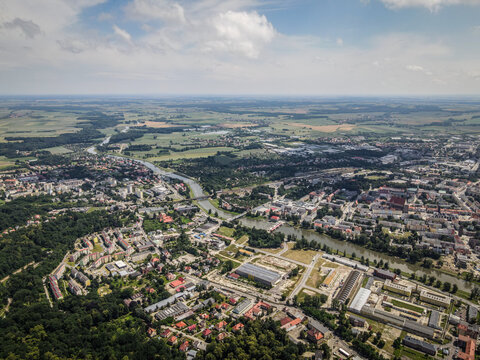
{"x": 48, "y": 239}
{"x": 260, "y": 340}
{"x": 260, "y": 238}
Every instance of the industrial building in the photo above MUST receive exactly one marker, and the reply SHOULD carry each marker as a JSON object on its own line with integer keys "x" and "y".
{"x": 434, "y": 320}
{"x": 405, "y": 324}
{"x": 172, "y": 311}
{"x": 348, "y": 286}
{"x": 397, "y": 288}
{"x": 359, "y": 300}
{"x": 384, "y": 274}
{"x": 419, "y": 345}
{"x": 258, "y": 274}
{"x": 242, "y": 307}
{"x": 435, "y": 298}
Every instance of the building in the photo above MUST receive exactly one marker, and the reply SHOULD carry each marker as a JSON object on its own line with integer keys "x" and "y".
{"x": 472, "y": 314}
{"x": 55, "y": 288}
{"x": 59, "y": 271}
{"x": 137, "y": 257}
{"x": 434, "y": 320}
{"x": 397, "y": 288}
{"x": 74, "y": 288}
{"x": 386, "y": 317}
{"x": 384, "y": 274}
{"x": 258, "y": 274}
{"x": 314, "y": 336}
{"x": 435, "y": 298}
{"x": 241, "y": 308}
{"x": 348, "y": 286}
{"x": 360, "y": 300}
{"x": 172, "y": 311}
{"x": 419, "y": 345}
{"x": 357, "y": 321}
{"x": 80, "y": 277}
{"x": 468, "y": 346}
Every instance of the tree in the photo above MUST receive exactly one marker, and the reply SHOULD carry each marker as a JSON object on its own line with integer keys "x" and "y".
{"x": 454, "y": 288}
{"x": 446, "y": 286}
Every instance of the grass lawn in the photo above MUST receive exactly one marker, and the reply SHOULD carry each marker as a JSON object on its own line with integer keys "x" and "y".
{"x": 226, "y": 231}
{"x": 104, "y": 290}
{"x": 58, "y": 150}
{"x": 407, "y": 306}
{"x": 303, "y": 256}
{"x": 242, "y": 240}
{"x": 412, "y": 354}
{"x": 316, "y": 278}
{"x": 97, "y": 248}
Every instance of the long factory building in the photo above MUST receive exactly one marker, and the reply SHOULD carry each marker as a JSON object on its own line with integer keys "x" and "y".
{"x": 258, "y": 274}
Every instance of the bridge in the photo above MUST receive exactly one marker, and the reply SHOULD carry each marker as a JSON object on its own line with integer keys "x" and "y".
{"x": 204, "y": 197}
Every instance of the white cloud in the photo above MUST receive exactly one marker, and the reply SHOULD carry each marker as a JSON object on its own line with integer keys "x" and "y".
{"x": 28, "y": 28}
{"x": 416, "y": 68}
{"x": 242, "y": 33}
{"x": 122, "y": 33}
{"x": 165, "y": 10}
{"x": 432, "y": 5}
{"x": 210, "y": 51}
{"x": 340, "y": 42}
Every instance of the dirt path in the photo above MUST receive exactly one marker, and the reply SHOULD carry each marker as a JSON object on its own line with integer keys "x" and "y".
{"x": 35, "y": 264}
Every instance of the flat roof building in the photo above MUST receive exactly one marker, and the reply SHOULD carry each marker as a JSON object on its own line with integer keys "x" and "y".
{"x": 384, "y": 274}
{"x": 397, "y": 288}
{"x": 419, "y": 345}
{"x": 435, "y": 298}
{"x": 258, "y": 274}
{"x": 359, "y": 300}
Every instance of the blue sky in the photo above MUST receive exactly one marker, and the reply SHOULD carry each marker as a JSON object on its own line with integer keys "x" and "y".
{"x": 284, "y": 47}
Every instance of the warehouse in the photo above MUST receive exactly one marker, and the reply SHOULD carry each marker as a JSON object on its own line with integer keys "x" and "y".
{"x": 434, "y": 320}
{"x": 419, "y": 345}
{"x": 258, "y": 274}
{"x": 172, "y": 311}
{"x": 348, "y": 286}
{"x": 359, "y": 300}
{"x": 384, "y": 274}
{"x": 397, "y": 321}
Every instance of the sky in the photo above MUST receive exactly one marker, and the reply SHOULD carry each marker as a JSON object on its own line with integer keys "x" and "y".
{"x": 240, "y": 47}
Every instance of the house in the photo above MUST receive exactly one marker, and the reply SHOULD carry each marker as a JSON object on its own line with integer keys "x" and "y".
{"x": 192, "y": 328}
{"x": 221, "y": 325}
{"x": 152, "y": 332}
{"x": 314, "y": 336}
{"x": 180, "y": 325}
{"x": 177, "y": 282}
{"x": 184, "y": 346}
{"x": 206, "y": 333}
{"x": 292, "y": 324}
{"x": 166, "y": 333}
{"x": 286, "y": 320}
{"x": 238, "y": 327}
{"x": 221, "y": 336}
{"x": 172, "y": 340}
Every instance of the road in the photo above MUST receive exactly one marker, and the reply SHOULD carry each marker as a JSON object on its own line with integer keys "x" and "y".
{"x": 305, "y": 277}
{"x": 187, "y": 335}
{"x": 46, "y": 293}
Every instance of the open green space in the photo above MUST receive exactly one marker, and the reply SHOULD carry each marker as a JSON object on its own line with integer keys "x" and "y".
{"x": 407, "y": 306}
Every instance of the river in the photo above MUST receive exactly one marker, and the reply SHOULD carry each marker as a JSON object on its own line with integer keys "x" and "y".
{"x": 395, "y": 263}
{"x": 349, "y": 248}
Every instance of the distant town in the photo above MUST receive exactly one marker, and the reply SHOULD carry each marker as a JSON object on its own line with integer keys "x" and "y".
{"x": 343, "y": 245}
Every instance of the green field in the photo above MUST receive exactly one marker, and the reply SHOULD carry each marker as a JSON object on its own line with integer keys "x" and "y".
{"x": 407, "y": 306}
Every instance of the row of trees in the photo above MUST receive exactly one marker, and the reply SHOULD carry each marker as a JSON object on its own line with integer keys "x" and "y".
{"x": 259, "y": 238}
